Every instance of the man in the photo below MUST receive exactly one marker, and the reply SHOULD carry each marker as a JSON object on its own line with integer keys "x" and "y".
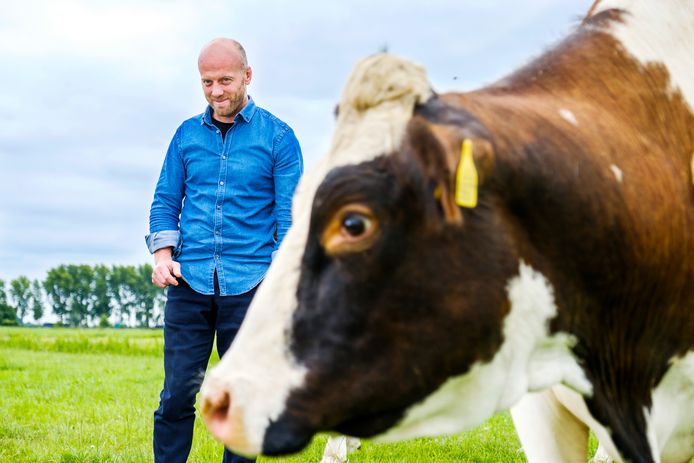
{"x": 221, "y": 208}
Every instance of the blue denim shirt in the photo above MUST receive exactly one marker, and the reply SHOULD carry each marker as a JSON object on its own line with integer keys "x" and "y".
{"x": 226, "y": 205}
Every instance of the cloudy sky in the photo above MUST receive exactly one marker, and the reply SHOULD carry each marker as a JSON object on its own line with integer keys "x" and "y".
{"x": 92, "y": 90}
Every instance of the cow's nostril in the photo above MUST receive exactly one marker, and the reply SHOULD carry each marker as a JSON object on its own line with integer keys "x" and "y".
{"x": 214, "y": 406}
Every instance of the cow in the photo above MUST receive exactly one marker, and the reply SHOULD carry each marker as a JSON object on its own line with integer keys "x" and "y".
{"x": 528, "y": 245}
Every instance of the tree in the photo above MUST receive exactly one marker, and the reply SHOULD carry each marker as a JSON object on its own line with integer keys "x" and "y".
{"x": 121, "y": 293}
{"x": 57, "y": 286}
{"x": 147, "y": 296}
{"x": 104, "y": 321}
{"x": 8, "y": 314}
{"x": 80, "y": 293}
{"x": 102, "y": 304}
{"x": 37, "y": 299}
{"x": 20, "y": 291}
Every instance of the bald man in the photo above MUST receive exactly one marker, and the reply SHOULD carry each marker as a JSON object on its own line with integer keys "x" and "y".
{"x": 220, "y": 210}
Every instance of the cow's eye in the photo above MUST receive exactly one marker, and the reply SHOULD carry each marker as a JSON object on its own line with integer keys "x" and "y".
{"x": 353, "y": 228}
{"x": 355, "y": 224}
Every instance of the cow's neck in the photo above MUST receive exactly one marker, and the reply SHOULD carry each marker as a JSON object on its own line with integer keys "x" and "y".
{"x": 580, "y": 127}
{"x": 581, "y": 135}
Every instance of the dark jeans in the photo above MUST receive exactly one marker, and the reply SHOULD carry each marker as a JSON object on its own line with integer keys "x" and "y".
{"x": 190, "y": 322}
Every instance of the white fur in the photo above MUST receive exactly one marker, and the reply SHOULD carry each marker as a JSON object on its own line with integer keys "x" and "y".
{"x": 258, "y": 371}
{"x": 618, "y": 174}
{"x": 601, "y": 456}
{"x": 338, "y": 447}
{"x": 529, "y": 359}
{"x": 552, "y": 426}
{"x": 670, "y": 419}
{"x": 651, "y": 436}
{"x": 659, "y": 32}
{"x": 574, "y": 403}
{"x": 568, "y": 116}
{"x": 547, "y": 430}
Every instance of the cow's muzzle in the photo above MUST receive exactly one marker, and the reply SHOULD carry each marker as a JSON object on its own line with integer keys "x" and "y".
{"x": 226, "y": 422}
{"x": 223, "y": 419}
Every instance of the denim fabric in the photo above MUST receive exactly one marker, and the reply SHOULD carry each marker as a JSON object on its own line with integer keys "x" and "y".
{"x": 190, "y": 321}
{"x": 226, "y": 205}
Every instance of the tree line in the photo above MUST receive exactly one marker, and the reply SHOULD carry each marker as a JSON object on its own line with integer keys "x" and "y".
{"x": 83, "y": 295}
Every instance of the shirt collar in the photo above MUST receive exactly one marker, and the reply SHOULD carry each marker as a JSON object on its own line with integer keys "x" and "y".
{"x": 246, "y": 113}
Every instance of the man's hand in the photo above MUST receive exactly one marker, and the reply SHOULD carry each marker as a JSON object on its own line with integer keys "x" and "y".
{"x": 165, "y": 268}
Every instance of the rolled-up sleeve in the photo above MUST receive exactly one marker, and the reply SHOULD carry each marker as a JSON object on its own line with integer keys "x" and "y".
{"x": 162, "y": 239}
{"x": 165, "y": 212}
{"x": 289, "y": 166}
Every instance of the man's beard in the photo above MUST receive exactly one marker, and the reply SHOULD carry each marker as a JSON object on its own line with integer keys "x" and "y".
{"x": 235, "y": 104}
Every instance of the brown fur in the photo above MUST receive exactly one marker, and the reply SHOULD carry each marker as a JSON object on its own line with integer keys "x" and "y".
{"x": 621, "y": 255}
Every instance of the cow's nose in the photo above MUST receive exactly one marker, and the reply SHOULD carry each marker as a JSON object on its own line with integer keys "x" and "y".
{"x": 215, "y": 403}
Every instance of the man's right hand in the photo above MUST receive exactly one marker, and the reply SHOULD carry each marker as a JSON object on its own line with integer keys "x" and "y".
{"x": 165, "y": 268}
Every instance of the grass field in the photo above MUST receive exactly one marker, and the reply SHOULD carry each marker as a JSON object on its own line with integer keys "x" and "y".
{"x": 78, "y": 396}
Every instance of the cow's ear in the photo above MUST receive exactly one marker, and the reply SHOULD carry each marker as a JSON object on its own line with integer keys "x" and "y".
{"x": 456, "y": 160}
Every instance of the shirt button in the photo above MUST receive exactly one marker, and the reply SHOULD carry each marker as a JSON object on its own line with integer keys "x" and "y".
{"x": 216, "y": 232}
{"x": 221, "y": 183}
{"x": 219, "y": 206}
{"x": 224, "y": 157}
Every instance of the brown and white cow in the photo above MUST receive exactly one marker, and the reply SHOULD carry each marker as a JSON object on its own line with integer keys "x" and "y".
{"x": 567, "y": 289}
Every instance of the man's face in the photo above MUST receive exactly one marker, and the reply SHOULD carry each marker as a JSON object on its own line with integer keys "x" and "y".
{"x": 224, "y": 82}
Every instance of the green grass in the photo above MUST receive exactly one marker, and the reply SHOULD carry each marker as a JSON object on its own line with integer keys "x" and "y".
{"x": 87, "y": 396}
{"x": 92, "y": 341}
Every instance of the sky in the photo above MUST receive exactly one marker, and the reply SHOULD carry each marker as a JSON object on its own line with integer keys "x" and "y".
{"x": 91, "y": 92}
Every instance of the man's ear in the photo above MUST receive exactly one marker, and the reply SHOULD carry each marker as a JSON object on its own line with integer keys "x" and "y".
{"x": 456, "y": 160}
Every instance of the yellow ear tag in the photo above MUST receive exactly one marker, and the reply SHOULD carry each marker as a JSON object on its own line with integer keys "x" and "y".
{"x": 466, "y": 180}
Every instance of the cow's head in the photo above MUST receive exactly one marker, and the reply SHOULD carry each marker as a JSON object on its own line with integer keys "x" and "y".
{"x": 387, "y": 311}
{"x": 399, "y": 291}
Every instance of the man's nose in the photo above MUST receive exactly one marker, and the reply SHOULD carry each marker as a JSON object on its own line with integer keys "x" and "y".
{"x": 216, "y": 90}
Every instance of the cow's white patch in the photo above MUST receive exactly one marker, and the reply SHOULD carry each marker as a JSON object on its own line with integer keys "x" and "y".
{"x": 651, "y": 435}
{"x": 659, "y": 32}
{"x": 670, "y": 424}
{"x": 601, "y": 456}
{"x": 576, "y": 405}
{"x": 568, "y": 116}
{"x": 529, "y": 359}
{"x": 547, "y": 430}
{"x": 553, "y": 426}
{"x": 618, "y": 174}
{"x": 258, "y": 371}
{"x": 338, "y": 447}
